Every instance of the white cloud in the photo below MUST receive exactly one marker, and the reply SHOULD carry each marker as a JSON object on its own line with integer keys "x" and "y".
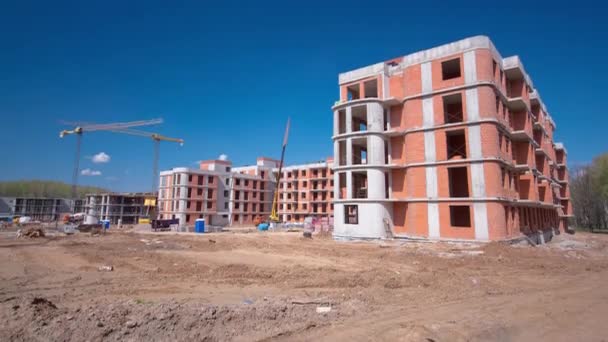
{"x": 101, "y": 158}
{"x": 223, "y": 156}
{"x": 89, "y": 172}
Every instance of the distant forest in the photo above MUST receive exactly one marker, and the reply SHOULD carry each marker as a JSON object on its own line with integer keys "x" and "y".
{"x": 40, "y": 188}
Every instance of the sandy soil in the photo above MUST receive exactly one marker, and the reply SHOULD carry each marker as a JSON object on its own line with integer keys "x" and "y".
{"x": 270, "y": 286}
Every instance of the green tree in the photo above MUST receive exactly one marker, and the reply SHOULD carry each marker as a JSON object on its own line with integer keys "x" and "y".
{"x": 589, "y": 192}
{"x": 40, "y": 188}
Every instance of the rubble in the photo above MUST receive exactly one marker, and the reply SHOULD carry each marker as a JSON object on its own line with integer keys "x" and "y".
{"x": 31, "y": 232}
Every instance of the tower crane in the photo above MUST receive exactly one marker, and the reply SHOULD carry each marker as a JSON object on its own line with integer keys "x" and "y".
{"x": 156, "y": 139}
{"x": 81, "y": 128}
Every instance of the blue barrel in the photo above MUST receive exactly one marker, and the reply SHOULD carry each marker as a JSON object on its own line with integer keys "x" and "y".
{"x": 263, "y": 226}
{"x": 199, "y": 226}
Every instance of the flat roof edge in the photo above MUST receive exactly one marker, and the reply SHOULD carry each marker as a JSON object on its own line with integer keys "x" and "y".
{"x": 475, "y": 42}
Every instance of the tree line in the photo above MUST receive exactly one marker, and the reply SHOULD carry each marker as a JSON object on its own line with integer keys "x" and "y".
{"x": 41, "y": 188}
{"x": 589, "y": 194}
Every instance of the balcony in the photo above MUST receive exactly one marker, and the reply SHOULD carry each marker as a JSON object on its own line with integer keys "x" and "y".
{"x": 560, "y": 156}
{"x": 522, "y": 126}
{"x": 518, "y": 83}
{"x": 522, "y": 154}
{"x": 564, "y": 193}
{"x": 541, "y": 163}
{"x": 562, "y": 176}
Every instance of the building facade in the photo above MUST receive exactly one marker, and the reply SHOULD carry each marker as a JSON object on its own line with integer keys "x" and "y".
{"x": 453, "y": 142}
{"x": 218, "y": 193}
{"x": 306, "y": 190}
{"x": 124, "y": 208}
{"x": 226, "y": 195}
{"x": 38, "y": 208}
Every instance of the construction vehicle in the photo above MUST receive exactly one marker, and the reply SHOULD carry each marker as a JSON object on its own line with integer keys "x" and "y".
{"x": 274, "y": 216}
{"x": 74, "y": 218}
{"x": 82, "y": 127}
{"x": 164, "y": 225}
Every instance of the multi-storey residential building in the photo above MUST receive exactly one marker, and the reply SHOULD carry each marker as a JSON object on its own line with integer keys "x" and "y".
{"x": 217, "y": 192}
{"x": 453, "y": 142}
{"x": 120, "y": 207}
{"x": 306, "y": 190}
{"x": 38, "y": 208}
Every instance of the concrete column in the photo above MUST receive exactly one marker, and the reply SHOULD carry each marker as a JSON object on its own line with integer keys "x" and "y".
{"x": 107, "y": 215}
{"x": 349, "y": 151}
{"x": 386, "y": 91}
{"x": 336, "y": 185}
{"x": 122, "y": 202}
{"x": 430, "y": 153}
{"x": 474, "y": 135}
{"x": 375, "y": 184}
{"x": 336, "y": 154}
{"x": 349, "y": 120}
{"x": 472, "y": 101}
{"x": 428, "y": 112}
{"x": 375, "y": 150}
{"x": 430, "y": 149}
{"x": 375, "y": 144}
{"x": 470, "y": 67}
{"x": 481, "y": 221}
{"x": 470, "y": 76}
{"x": 431, "y": 181}
{"x": 349, "y": 184}
{"x": 336, "y": 122}
{"x": 433, "y": 218}
{"x": 426, "y": 77}
{"x": 375, "y": 117}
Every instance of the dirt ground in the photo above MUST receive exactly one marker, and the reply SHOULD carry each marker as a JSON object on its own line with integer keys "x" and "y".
{"x": 281, "y": 286}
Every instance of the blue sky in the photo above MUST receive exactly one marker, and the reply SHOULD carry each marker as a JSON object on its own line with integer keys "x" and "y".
{"x": 225, "y": 75}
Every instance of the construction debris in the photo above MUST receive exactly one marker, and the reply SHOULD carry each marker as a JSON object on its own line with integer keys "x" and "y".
{"x": 31, "y": 232}
{"x": 106, "y": 268}
{"x": 323, "y": 309}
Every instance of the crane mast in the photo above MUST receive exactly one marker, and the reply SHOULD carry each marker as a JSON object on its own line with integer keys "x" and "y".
{"x": 81, "y": 128}
{"x": 274, "y": 215}
{"x": 119, "y": 127}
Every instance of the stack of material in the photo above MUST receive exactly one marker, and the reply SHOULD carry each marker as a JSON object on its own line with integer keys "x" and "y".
{"x": 31, "y": 232}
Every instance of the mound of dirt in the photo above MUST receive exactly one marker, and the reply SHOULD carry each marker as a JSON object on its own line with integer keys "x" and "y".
{"x": 40, "y": 319}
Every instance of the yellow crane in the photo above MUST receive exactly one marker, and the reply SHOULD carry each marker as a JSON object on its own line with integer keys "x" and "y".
{"x": 82, "y": 127}
{"x": 274, "y": 215}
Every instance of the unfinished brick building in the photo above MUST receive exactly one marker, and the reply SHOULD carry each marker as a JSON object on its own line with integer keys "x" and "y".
{"x": 452, "y": 142}
{"x": 217, "y": 192}
{"x": 225, "y": 195}
{"x": 306, "y": 190}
